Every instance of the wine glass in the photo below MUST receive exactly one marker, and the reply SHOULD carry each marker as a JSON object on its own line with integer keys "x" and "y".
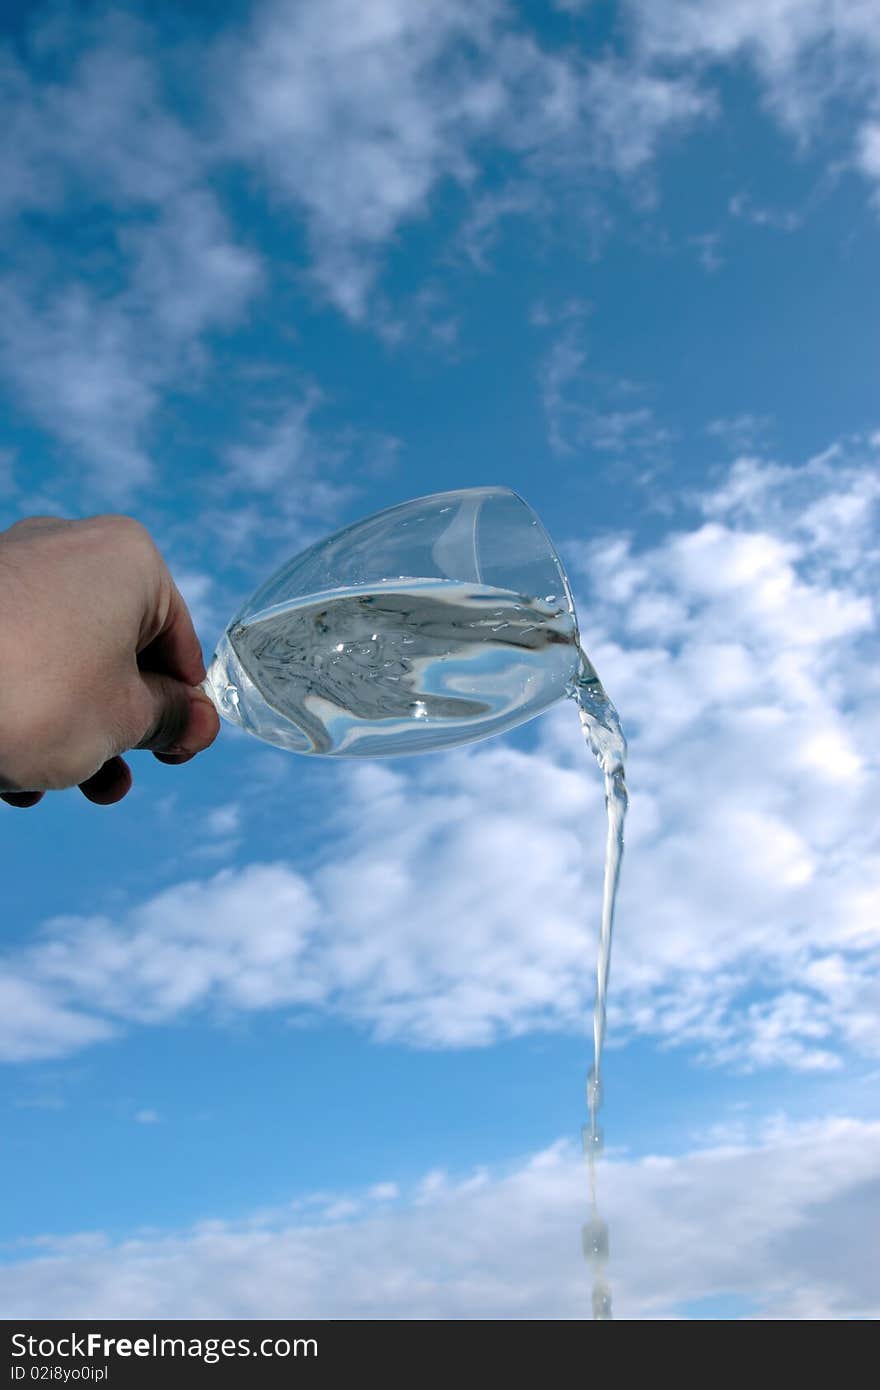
{"x": 430, "y": 624}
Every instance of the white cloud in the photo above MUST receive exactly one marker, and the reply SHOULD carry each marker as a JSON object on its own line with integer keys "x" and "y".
{"x": 138, "y": 261}
{"x": 807, "y": 54}
{"x": 617, "y": 431}
{"x": 543, "y": 314}
{"x": 197, "y": 590}
{"x": 34, "y": 1024}
{"x": 76, "y": 367}
{"x": 188, "y": 275}
{"x": 775, "y": 1226}
{"x": 750, "y": 652}
{"x": 289, "y": 474}
{"x": 384, "y": 1191}
{"x": 482, "y": 223}
{"x": 868, "y": 155}
{"x": 343, "y": 106}
{"x": 630, "y": 111}
{"x": 708, "y": 248}
{"x": 562, "y": 366}
{"x": 742, "y": 206}
{"x": 219, "y": 833}
{"x": 458, "y": 898}
{"x": 358, "y": 115}
{"x": 431, "y": 315}
{"x": 583, "y": 412}
{"x": 355, "y": 117}
{"x": 284, "y": 451}
{"x": 739, "y": 433}
{"x": 86, "y": 115}
{"x": 191, "y": 944}
{"x": 223, "y": 820}
{"x": 828, "y": 506}
{"x": 92, "y": 368}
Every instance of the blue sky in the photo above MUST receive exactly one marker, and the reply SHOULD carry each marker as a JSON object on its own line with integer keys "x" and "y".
{"x": 283, "y": 1036}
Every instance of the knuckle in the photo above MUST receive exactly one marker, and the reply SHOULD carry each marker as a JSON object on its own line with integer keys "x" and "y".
{"x": 31, "y": 525}
{"x": 124, "y": 526}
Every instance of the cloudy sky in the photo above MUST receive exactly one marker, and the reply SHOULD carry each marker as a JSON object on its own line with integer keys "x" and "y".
{"x": 287, "y": 1037}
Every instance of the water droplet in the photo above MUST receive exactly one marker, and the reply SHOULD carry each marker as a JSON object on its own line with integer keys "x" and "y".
{"x": 419, "y": 709}
{"x": 340, "y": 647}
{"x": 549, "y": 598}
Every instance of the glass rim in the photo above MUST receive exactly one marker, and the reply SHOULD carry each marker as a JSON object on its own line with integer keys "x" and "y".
{"x": 527, "y": 506}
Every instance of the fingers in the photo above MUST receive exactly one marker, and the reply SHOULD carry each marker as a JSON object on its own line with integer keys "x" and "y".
{"x": 180, "y": 720}
{"x": 176, "y": 648}
{"x": 109, "y": 784}
{"x": 183, "y": 723}
{"x": 171, "y": 666}
{"x": 23, "y": 799}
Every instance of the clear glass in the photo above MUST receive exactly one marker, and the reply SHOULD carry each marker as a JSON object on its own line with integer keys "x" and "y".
{"x": 437, "y": 622}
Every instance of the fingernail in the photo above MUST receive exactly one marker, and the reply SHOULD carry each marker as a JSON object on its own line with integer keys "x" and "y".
{"x": 175, "y": 755}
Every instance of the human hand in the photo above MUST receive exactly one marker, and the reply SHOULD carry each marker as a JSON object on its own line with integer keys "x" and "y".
{"x": 97, "y": 654}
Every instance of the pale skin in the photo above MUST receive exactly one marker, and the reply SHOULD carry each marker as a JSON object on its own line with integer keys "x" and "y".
{"x": 98, "y": 655}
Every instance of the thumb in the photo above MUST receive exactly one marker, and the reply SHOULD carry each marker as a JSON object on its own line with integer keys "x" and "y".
{"x": 177, "y": 718}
